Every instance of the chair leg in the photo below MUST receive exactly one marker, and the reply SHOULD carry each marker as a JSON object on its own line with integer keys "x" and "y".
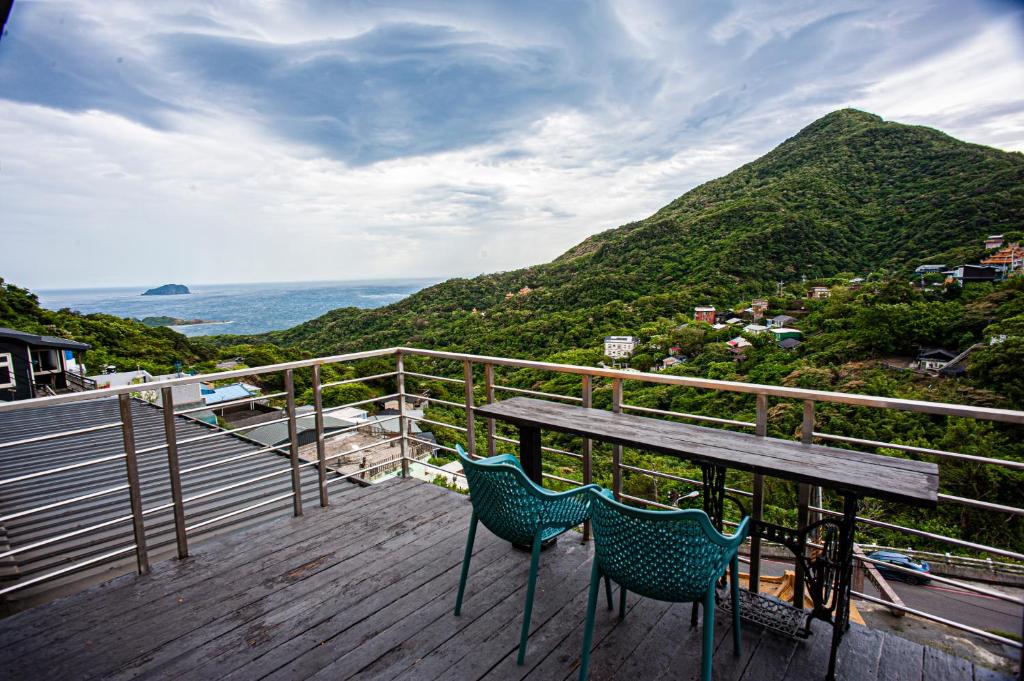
{"x": 465, "y": 563}
{"x": 622, "y": 602}
{"x": 531, "y": 586}
{"x": 607, "y": 589}
{"x": 734, "y": 587}
{"x": 588, "y": 625}
{"x": 707, "y": 650}
{"x": 693, "y": 613}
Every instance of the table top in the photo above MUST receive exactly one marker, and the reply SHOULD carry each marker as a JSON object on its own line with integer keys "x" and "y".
{"x": 870, "y": 475}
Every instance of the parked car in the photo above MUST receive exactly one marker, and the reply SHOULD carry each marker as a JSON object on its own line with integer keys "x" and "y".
{"x": 893, "y": 558}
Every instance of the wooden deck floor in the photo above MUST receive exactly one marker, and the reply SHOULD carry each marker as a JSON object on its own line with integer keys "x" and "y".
{"x": 365, "y": 590}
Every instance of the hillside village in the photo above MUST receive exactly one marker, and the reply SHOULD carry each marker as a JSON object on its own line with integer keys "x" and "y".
{"x": 777, "y": 320}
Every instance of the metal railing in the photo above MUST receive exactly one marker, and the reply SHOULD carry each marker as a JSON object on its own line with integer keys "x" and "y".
{"x": 399, "y": 386}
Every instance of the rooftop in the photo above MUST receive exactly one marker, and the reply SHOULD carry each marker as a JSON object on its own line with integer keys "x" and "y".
{"x": 365, "y": 589}
{"x": 42, "y": 341}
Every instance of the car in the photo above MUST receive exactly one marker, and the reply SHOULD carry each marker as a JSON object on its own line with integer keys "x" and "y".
{"x": 904, "y": 561}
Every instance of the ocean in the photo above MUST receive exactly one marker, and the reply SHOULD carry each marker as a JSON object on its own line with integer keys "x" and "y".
{"x": 236, "y": 308}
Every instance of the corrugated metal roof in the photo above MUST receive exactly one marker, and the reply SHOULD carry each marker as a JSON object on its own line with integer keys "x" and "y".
{"x": 148, "y": 423}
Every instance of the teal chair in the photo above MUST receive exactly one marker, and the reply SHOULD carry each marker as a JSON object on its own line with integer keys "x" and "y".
{"x": 520, "y": 511}
{"x": 675, "y": 556}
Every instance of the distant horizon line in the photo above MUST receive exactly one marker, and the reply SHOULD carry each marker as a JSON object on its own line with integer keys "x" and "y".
{"x": 145, "y": 287}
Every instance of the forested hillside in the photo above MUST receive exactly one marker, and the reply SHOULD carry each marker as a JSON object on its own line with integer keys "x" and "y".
{"x": 849, "y": 193}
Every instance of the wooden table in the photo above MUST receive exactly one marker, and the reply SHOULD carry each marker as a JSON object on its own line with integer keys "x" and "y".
{"x": 853, "y": 474}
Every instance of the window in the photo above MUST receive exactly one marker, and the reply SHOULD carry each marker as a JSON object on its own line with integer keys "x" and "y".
{"x": 45, "y": 361}
{"x": 6, "y": 370}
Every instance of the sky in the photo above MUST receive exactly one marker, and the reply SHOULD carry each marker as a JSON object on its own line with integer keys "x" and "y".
{"x": 210, "y": 142}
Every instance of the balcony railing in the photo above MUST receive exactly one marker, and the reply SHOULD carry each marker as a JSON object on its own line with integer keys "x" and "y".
{"x": 478, "y": 377}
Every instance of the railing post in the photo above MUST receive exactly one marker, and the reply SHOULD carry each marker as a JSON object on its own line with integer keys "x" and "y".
{"x": 134, "y": 493}
{"x": 293, "y": 442}
{"x": 489, "y": 392}
{"x": 174, "y": 470}
{"x": 617, "y": 449}
{"x": 467, "y": 371}
{"x": 403, "y": 422}
{"x": 587, "y": 393}
{"x": 321, "y": 447}
{"x": 757, "y": 500}
{"x": 803, "y": 500}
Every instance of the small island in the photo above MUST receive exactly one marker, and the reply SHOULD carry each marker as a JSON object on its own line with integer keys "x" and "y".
{"x": 168, "y": 290}
{"x": 174, "y": 321}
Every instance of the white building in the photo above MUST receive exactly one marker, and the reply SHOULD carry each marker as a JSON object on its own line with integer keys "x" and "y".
{"x": 617, "y": 347}
{"x": 755, "y": 328}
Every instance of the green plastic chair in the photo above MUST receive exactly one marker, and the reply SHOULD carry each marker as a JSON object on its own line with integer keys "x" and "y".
{"x": 675, "y": 556}
{"x": 518, "y": 510}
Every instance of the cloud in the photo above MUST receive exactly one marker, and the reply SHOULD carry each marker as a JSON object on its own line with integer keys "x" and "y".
{"x": 227, "y": 141}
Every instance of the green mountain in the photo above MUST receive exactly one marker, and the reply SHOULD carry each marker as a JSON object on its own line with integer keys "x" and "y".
{"x": 848, "y": 193}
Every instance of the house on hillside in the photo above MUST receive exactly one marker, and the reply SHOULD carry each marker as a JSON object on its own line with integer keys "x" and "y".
{"x": 1009, "y": 259}
{"x": 934, "y": 359}
{"x": 789, "y": 343}
{"x": 618, "y": 347}
{"x": 929, "y": 269}
{"x": 755, "y": 328}
{"x": 965, "y": 274}
{"x": 733, "y": 321}
{"x": 780, "y": 320}
{"x": 758, "y": 307}
{"x": 993, "y": 241}
{"x": 34, "y": 366}
{"x": 785, "y": 333}
{"x": 116, "y": 379}
{"x": 819, "y": 292}
{"x": 704, "y": 313}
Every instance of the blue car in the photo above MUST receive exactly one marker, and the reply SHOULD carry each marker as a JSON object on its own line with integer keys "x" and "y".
{"x": 904, "y": 561}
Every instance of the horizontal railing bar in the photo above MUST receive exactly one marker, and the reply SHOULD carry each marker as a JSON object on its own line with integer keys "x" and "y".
{"x": 437, "y": 468}
{"x": 363, "y": 448}
{"x": 641, "y": 500}
{"x": 947, "y": 557}
{"x": 380, "y": 464}
{"x": 927, "y": 535}
{"x": 234, "y": 485}
{"x": 231, "y": 403}
{"x": 358, "y": 379}
{"x": 435, "y": 400}
{"x": 460, "y": 381}
{"x": 239, "y": 511}
{"x": 64, "y": 502}
{"x": 439, "y": 446}
{"x": 62, "y": 469}
{"x": 975, "y": 503}
{"x": 188, "y": 380}
{"x": 353, "y": 404}
{"x": 65, "y": 570}
{"x": 440, "y": 424}
{"x": 941, "y": 620}
{"x": 537, "y": 393}
{"x": 67, "y": 535}
{"x": 1005, "y": 463}
{"x": 239, "y": 457}
{"x": 157, "y": 509}
{"x": 961, "y": 410}
{"x": 944, "y": 580}
{"x": 553, "y": 450}
{"x": 682, "y": 415}
{"x": 366, "y": 424}
{"x": 55, "y": 436}
{"x": 561, "y": 479}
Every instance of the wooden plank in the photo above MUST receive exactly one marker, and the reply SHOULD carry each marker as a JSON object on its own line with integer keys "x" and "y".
{"x": 810, "y": 657}
{"x": 101, "y": 605}
{"x": 942, "y": 665}
{"x": 868, "y": 474}
{"x": 859, "y": 654}
{"x": 900, "y": 660}
{"x": 471, "y": 651}
{"x": 671, "y": 650}
{"x": 241, "y": 634}
{"x": 195, "y": 605}
{"x": 624, "y": 638}
{"x": 771, "y": 657}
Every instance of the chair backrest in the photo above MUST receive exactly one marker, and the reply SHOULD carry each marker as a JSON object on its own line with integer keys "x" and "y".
{"x": 667, "y": 555}
{"x": 502, "y": 499}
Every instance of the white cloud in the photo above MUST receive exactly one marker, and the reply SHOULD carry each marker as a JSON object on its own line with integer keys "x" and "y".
{"x": 189, "y": 181}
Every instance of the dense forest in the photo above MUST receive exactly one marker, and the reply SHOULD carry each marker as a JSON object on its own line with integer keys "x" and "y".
{"x": 849, "y": 198}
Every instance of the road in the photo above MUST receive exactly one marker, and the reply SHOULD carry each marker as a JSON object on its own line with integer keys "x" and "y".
{"x": 976, "y": 610}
